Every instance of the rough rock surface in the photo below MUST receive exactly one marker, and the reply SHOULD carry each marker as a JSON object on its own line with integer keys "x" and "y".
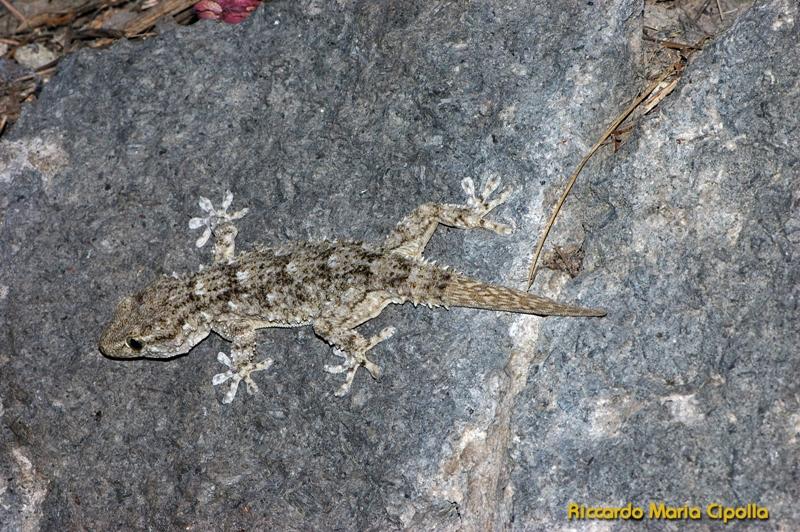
{"x": 335, "y": 119}
{"x": 690, "y": 396}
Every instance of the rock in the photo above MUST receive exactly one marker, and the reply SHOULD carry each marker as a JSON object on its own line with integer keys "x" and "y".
{"x": 335, "y": 119}
{"x": 34, "y": 56}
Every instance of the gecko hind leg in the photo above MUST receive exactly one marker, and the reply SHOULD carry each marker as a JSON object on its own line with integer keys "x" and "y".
{"x": 352, "y": 347}
{"x": 339, "y": 331}
{"x": 412, "y": 234}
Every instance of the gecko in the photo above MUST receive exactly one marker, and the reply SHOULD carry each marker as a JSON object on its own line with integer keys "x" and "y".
{"x": 334, "y": 286}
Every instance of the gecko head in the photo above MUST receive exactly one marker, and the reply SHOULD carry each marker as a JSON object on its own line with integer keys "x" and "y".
{"x": 155, "y": 323}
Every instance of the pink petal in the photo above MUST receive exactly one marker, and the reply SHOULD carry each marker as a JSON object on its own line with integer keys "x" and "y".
{"x": 234, "y": 18}
{"x": 208, "y": 9}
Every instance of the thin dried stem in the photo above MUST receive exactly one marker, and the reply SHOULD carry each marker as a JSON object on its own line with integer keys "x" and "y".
{"x": 14, "y": 11}
{"x": 614, "y": 125}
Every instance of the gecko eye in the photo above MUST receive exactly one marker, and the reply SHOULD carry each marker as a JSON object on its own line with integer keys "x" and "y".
{"x": 134, "y": 344}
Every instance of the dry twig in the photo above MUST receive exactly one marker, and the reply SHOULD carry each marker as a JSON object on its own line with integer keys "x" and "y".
{"x": 66, "y": 30}
{"x": 149, "y": 18}
{"x": 14, "y": 11}
{"x": 571, "y": 181}
{"x": 674, "y": 68}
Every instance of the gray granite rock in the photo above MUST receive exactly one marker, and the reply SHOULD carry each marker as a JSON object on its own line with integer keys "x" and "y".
{"x": 689, "y": 393}
{"x": 335, "y": 119}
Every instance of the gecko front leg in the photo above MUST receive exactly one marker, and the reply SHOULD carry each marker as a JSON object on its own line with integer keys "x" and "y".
{"x": 219, "y": 223}
{"x": 242, "y": 363}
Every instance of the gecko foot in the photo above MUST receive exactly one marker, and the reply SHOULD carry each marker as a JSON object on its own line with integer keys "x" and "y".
{"x": 480, "y": 205}
{"x": 238, "y": 372}
{"x": 215, "y": 217}
{"x": 353, "y": 361}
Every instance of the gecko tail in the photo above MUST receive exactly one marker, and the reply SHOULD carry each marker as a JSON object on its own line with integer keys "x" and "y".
{"x": 466, "y": 292}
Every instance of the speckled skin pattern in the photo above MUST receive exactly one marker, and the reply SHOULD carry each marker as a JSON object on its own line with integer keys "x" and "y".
{"x": 332, "y": 285}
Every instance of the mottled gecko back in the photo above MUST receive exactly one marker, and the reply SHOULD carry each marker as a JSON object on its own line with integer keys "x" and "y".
{"x": 332, "y": 285}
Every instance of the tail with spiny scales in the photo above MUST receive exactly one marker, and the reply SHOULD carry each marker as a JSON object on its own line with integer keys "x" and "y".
{"x": 465, "y": 292}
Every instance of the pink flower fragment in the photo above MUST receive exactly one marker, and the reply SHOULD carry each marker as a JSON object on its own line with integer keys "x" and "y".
{"x": 229, "y": 11}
